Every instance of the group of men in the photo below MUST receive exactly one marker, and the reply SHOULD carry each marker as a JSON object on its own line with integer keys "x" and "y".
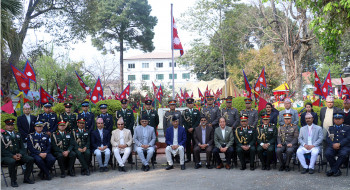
{"x": 211, "y": 131}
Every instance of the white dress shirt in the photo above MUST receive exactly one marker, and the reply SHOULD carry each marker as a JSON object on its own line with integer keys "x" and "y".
{"x": 175, "y": 139}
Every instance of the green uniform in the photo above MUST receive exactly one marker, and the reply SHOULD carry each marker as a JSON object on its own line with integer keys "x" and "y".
{"x": 60, "y": 143}
{"x": 128, "y": 117}
{"x": 190, "y": 119}
{"x": 10, "y": 146}
{"x": 71, "y": 119}
{"x": 167, "y": 119}
{"x": 246, "y": 136}
{"x": 266, "y": 135}
{"x": 82, "y": 140}
{"x": 153, "y": 117}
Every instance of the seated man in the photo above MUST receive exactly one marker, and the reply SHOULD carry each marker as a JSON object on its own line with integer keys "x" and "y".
{"x": 62, "y": 145}
{"x": 203, "y": 140}
{"x": 338, "y": 140}
{"x": 121, "y": 143}
{"x": 245, "y": 142}
{"x": 145, "y": 139}
{"x": 266, "y": 137}
{"x": 39, "y": 146}
{"x": 176, "y": 140}
{"x": 223, "y": 140}
{"x": 82, "y": 146}
{"x": 13, "y": 151}
{"x": 100, "y": 140}
{"x": 287, "y": 141}
{"x": 310, "y": 139}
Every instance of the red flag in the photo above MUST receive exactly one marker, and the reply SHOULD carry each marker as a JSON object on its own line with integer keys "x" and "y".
{"x": 262, "y": 104}
{"x": 21, "y": 80}
{"x": 125, "y": 92}
{"x": 200, "y": 93}
{"x": 116, "y": 96}
{"x": 97, "y": 92}
{"x": 82, "y": 84}
{"x": 192, "y": 95}
{"x": 344, "y": 90}
{"x": 2, "y": 93}
{"x": 260, "y": 82}
{"x": 59, "y": 92}
{"x": 44, "y": 96}
{"x": 177, "y": 97}
{"x": 317, "y": 87}
{"x": 29, "y": 72}
{"x": 207, "y": 92}
{"x": 176, "y": 40}
{"x": 8, "y": 107}
{"x": 155, "y": 89}
{"x": 247, "y": 86}
{"x": 327, "y": 83}
{"x": 159, "y": 94}
{"x": 111, "y": 90}
{"x": 65, "y": 91}
{"x": 317, "y": 103}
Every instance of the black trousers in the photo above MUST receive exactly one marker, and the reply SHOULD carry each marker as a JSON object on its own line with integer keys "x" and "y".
{"x": 189, "y": 141}
{"x": 84, "y": 158}
{"x": 12, "y": 166}
{"x": 266, "y": 159}
{"x": 62, "y": 161}
{"x": 241, "y": 155}
{"x": 228, "y": 154}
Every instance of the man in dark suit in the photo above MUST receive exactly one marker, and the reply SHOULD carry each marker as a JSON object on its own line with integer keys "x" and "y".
{"x": 89, "y": 117}
{"x": 49, "y": 119}
{"x": 107, "y": 118}
{"x": 100, "y": 140}
{"x": 203, "y": 140}
{"x": 26, "y": 122}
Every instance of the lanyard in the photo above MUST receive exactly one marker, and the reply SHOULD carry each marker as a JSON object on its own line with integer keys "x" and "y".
{"x": 309, "y": 130}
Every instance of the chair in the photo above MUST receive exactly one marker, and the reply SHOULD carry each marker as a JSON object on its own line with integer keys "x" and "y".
{"x": 307, "y": 159}
{"x": 4, "y": 174}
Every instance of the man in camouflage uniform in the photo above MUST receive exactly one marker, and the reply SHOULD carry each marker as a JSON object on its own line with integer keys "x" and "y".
{"x": 82, "y": 146}
{"x": 211, "y": 112}
{"x": 69, "y": 117}
{"x": 251, "y": 113}
{"x": 168, "y": 116}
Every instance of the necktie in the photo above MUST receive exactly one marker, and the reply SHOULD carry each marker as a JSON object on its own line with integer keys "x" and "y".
{"x": 101, "y": 136}
{"x": 147, "y": 112}
{"x": 12, "y": 135}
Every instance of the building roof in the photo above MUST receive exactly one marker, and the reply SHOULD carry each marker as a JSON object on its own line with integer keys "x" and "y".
{"x": 154, "y": 55}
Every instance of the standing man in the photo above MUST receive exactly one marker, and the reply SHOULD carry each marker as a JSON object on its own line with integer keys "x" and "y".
{"x": 252, "y": 114}
{"x": 100, "y": 140}
{"x": 39, "y": 146}
{"x": 152, "y": 115}
{"x": 230, "y": 114}
{"x": 191, "y": 118}
{"x": 266, "y": 138}
{"x": 203, "y": 140}
{"x": 107, "y": 118}
{"x": 168, "y": 116}
{"x": 346, "y": 110}
{"x": 62, "y": 146}
{"x": 288, "y": 109}
{"x": 13, "y": 151}
{"x": 310, "y": 140}
{"x": 82, "y": 146}
{"x": 89, "y": 117}
{"x": 175, "y": 139}
{"x": 49, "y": 119}
{"x": 26, "y": 122}
{"x": 287, "y": 141}
{"x": 211, "y": 112}
{"x": 245, "y": 142}
{"x": 69, "y": 117}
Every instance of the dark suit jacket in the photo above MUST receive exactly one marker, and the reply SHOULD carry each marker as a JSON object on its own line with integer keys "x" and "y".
{"x": 347, "y": 118}
{"x": 209, "y": 136}
{"x": 23, "y": 126}
{"x": 323, "y": 113}
{"x": 108, "y": 122}
{"x": 181, "y": 136}
{"x": 96, "y": 139}
{"x": 302, "y": 118}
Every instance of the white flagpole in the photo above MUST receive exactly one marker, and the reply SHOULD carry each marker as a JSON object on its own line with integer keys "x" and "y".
{"x": 172, "y": 50}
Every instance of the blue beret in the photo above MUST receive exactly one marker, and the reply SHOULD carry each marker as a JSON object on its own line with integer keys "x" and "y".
{"x": 48, "y": 105}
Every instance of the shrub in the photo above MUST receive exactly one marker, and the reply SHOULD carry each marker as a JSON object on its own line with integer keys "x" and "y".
{"x": 339, "y": 103}
{"x": 238, "y": 103}
{"x": 58, "y": 108}
{"x": 113, "y": 106}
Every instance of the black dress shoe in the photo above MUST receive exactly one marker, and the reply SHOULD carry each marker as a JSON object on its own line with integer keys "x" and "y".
{"x": 106, "y": 169}
{"x": 287, "y": 169}
{"x": 87, "y": 172}
{"x": 82, "y": 172}
{"x": 330, "y": 173}
{"x": 209, "y": 167}
{"x": 41, "y": 175}
{"x": 263, "y": 167}
{"x": 252, "y": 168}
{"x": 48, "y": 177}
{"x": 187, "y": 161}
{"x": 197, "y": 166}
{"x": 143, "y": 167}
{"x": 304, "y": 171}
{"x": 183, "y": 167}
{"x": 282, "y": 168}
{"x": 243, "y": 167}
{"x": 14, "y": 184}
{"x": 169, "y": 167}
{"x": 311, "y": 171}
{"x": 63, "y": 175}
{"x": 29, "y": 181}
{"x": 123, "y": 169}
{"x": 147, "y": 168}
{"x": 102, "y": 169}
{"x": 268, "y": 168}
{"x": 72, "y": 172}
{"x": 338, "y": 173}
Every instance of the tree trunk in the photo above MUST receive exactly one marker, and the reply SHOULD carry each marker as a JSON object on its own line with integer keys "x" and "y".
{"x": 121, "y": 46}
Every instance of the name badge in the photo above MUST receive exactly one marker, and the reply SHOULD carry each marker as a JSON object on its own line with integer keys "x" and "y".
{"x": 52, "y": 118}
{"x": 153, "y": 114}
{"x": 18, "y": 136}
{"x": 195, "y": 113}
{"x": 44, "y": 138}
{"x": 250, "y": 131}
{"x": 270, "y": 129}
{"x": 68, "y": 136}
{"x": 342, "y": 131}
{"x": 128, "y": 113}
{"x": 86, "y": 134}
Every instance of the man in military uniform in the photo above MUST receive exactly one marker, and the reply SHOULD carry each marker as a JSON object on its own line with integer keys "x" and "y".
{"x": 230, "y": 114}
{"x": 39, "y": 146}
{"x": 152, "y": 115}
{"x": 69, "y": 117}
{"x": 89, "y": 117}
{"x": 338, "y": 141}
{"x": 211, "y": 112}
{"x": 13, "y": 151}
{"x": 245, "y": 142}
{"x": 266, "y": 137}
{"x": 287, "y": 141}
{"x": 191, "y": 119}
{"x": 251, "y": 113}
{"x": 82, "y": 146}
{"x": 168, "y": 116}
{"x": 62, "y": 145}
{"x": 107, "y": 118}
{"x": 49, "y": 119}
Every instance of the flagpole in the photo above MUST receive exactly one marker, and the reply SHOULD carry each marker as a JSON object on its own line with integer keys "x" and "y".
{"x": 172, "y": 50}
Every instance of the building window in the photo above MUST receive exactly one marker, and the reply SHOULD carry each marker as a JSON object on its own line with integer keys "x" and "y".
{"x": 145, "y": 77}
{"x": 145, "y": 65}
{"x": 159, "y": 65}
{"x": 131, "y": 66}
{"x": 171, "y": 87}
{"x": 131, "y": 77}
{"x": 159, "y": 76}
{"x": 185, "y": 75}
{"x": 171, "y": 76}
{"x": 132, "y": 88}
{"x": 170, "y": 64}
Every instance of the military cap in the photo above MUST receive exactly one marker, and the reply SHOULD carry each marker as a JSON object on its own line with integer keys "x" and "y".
{"x": 287, "y": 115}
{"x": 39, "y": 124}
{"x": 144, "y": 117}
{"x": 124, "y": 101}
{"x": 172, "y": 102}
{"x": 190, "y": 100}
{"x": 81, "y": 120}
{"x": 9, "y": 121}
{"x": 85, "y": 104}
{"x": 229, "y": 99}
{"x": 338, "y": 115}
{"x": 62, "y": 123}
{"x": 103, "y": 106}
{"x": 244, "y": 117}
{"x": 68, "y": 105}
{"x": 175, "y": 118}
{"x": 48, "y": 105}
{"x": 265, "y": 116}
{"x": 148, "y": 102}
{"x": 210, "y": 97}
{"x": 248, "y": 100}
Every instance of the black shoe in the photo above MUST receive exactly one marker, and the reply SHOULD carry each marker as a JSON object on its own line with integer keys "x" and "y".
{"x": 343, "y": 166}
{"x": 196, "y": 166}
{"x": 188, "y": 160}
{"x": 102, "y": 169}
{"x": 63, "y": 174}
{"x": 123, "y": 169}
{"x": 48, "y": 177}
{"x": 87, "y": 172}
{"x": 252, "y": 168}
{"x": 106, "y": 169}
{"x": 330, "y": 173}
{"x": 147, "y": 168}
{"x": 287, "y": 169}
{"x": 311, "y": 171}
{"x": 209, "y": 167}
{"x": 143, "y": 167}
{"x": 82, "y": 172}
{"x": 282, "y": 168}
{"x": 304, "y": 171}
{"x": 268, "y": 168}
{"x": 28, "y": 181}
{"x": 263, "y": 167}
{"x": 41, "y": 175}
{"x": 338, "y": 173}
{"x": 243, "y": 167}
{"x": 14, "y": 184}
{"x": 72, "y": 172}
{"x": 169, "y": 167}
{"x": 183, "y": 167}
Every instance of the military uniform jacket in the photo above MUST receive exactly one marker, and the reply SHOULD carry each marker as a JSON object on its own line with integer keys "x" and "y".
{"x": 252, "y": 116}
{"x": 49, "y": 120}
{"x": 266, "y": 134}
{"x": 288, "y": 134}
{"x": 72, "y": 119}
{"x": 245, "y": 137}
{"x": 153, "y": 117}
{"x": 231, "y": 115}
{"x": 339, "y": 135}
{"x": 191, "y": 119}
{"x": 89, "y": 120}
{"x": 11, "y": 145}
{"x": 167, "y": 119}
{"x": 212, "y": 113}
{"x": 38, "y": 143}
{"x": 82, "y": 139}
{"x": 128, "y": 117}
{"x": 108, "y": 121}
{"x": 61, "y": 143}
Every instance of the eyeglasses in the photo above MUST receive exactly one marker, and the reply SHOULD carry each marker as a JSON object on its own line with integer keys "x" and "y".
{"x": 120, "y": 124}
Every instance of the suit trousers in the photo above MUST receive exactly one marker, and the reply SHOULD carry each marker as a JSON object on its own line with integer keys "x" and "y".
{"x": 11, "y": 164}
{"x": 140, "y": 152}
{"x": 84, "y": 158}
{"x": 121, "y": 160}
{"x": 45, "y": 164}
{"x": 62, "y": 160}
{"x": 228, "y": 154}
{"x": 98, "y": 154}
{"x": 314, "y": 153}
{"x": 342, "y": 155}
{"x": 169, "y": 152}
{"x": 196, "y": 154}
{"x": 189, "y": 141}
{"x": 289, "y": 153}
